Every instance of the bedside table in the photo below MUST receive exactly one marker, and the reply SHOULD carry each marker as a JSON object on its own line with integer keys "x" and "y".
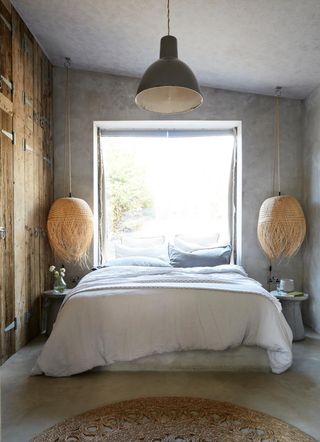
{"x": 291, "y": 309}
{"x": 52, "y": 301}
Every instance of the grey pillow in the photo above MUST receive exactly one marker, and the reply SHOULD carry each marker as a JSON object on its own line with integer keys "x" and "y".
{"x": 200, "y": 258}
{"x": 144, "y": 261}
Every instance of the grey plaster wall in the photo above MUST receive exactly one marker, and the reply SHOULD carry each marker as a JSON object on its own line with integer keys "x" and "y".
{"x": 311, "y": 165}
{"x": 98, "y": 97}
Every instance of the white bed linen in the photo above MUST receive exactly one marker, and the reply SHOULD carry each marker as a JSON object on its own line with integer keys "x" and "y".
{"x": 124, "y": 313}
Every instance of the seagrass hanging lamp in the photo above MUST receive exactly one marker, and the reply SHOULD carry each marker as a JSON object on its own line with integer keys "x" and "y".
{"x": 281, "y": 225}
{"x": 70, "y": 219}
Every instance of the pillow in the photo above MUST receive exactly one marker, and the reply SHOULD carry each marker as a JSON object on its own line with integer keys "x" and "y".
{"x": 137, "y": 261}
{"x": 150, "y": 241}
{"x": 202, "y": 241}
{"x": 160, "y": 251}
{"x": 200, "y": 258}
{"x": 187, "y": 246}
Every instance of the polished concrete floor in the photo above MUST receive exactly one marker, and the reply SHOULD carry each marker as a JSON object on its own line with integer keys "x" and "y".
{"x": 31, "y": 404}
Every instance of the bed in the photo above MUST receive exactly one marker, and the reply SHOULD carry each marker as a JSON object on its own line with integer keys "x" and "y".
{"x": 124, "y": 313}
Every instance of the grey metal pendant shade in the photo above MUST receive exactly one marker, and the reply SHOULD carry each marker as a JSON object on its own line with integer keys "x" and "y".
{"x": 168, "y": 86}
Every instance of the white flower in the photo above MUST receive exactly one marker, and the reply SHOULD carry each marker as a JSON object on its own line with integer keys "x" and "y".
{"x": 56, "y": 274}
{"x": 51, "y": 268}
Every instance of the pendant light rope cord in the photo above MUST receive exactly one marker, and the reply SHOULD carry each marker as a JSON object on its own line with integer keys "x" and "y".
{"x": 67, "y": 135}
{"x": 278, "y": 141}
{"x": 277, "y": 159}
{"x": 168, "y": 15}
{"x": 276, "y": 165}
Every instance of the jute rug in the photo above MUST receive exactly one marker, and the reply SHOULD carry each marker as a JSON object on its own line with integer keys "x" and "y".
{"x": 173, "y": 419}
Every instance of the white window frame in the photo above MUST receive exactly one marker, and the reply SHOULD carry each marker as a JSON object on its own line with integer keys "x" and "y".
{"x": 170, "y": 125}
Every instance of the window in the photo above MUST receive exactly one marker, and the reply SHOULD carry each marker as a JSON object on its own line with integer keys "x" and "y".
{"x": 166, "y": 183}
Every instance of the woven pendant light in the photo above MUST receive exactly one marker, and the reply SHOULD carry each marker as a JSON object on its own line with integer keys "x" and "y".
{"x": 70, "y": 220}
{"x": 281, "y": 225}
{"x": 70, "y": 228}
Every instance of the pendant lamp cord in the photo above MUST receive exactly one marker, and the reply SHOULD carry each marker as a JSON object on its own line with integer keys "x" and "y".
{"x": 277, "y": 144}
{"x": 67, "y": 136}
{"x": 276, "y": 165}
{"x": 168, "y": 15}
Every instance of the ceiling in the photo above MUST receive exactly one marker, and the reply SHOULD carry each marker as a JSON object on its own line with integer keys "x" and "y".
{"x": 243, "y": 45}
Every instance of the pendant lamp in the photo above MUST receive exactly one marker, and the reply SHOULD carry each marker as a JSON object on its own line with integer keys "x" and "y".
{"x": 70, "y": 220}
{"x": 168, "y": 86}
{"x": 281, "y": 225}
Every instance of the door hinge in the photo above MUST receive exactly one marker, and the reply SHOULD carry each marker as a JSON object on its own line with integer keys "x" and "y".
{"x": 27, "y": 146}
{"x": 3, "y": 233}
{"x": 10, "y": 135}
{"x": 5, "y": 21}
{"x": 12, "y": 326}
{"x": 26, "y": 100}
{"x": 7, "y": 82}
{"x": 47, "y": 160}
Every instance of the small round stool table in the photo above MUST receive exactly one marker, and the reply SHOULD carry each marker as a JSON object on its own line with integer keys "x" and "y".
{"x": 291, "y": 309}
{"x": 51, "y": 306}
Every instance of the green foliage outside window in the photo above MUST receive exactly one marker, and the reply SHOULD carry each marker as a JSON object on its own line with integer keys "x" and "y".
{"x": 127, "y": 190}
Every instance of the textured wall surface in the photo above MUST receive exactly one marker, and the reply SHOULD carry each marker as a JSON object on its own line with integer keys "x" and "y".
{"x": 122, "y": 38}
{"x": 98, "y": 97}
{"x": 312, "y": 207}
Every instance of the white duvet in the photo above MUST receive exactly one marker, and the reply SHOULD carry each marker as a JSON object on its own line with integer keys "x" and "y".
{"x": 124, "y": 313}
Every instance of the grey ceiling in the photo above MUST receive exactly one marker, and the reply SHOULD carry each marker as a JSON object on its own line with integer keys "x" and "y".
{"x": 244, "y": 45}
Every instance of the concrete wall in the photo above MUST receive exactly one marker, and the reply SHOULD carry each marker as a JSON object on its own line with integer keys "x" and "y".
{"x": 311, "y": 163}
{"x": 98, "y": 97}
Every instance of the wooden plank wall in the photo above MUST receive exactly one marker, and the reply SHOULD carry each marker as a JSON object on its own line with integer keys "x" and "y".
{"x": 26, "y": 180}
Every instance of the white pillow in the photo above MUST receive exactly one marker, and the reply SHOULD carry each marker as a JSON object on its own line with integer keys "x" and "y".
{"x": 160, "y": 251}
{"x": 150, "y": 241}
{"x": 198, "y": 239}
{"x": 190, "y": 246}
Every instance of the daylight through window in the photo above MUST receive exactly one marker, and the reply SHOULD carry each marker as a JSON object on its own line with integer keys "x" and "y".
{"x": 167, "y": 184}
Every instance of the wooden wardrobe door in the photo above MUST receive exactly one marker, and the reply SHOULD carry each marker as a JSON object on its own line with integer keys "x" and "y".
{"x": 7, "y": 307}
{"x": 25, "y": 180}
{"x": 46, "y": 178}
{"x": 30, "y": 185}
{"x": 19, "y": 181}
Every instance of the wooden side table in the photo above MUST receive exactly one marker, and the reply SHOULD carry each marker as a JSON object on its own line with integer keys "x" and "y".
{"x": 52, "y": 301}
{"x": 291, "y": 309}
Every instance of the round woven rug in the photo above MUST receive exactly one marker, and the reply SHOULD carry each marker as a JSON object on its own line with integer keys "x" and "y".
{"x": 173, "y": 419}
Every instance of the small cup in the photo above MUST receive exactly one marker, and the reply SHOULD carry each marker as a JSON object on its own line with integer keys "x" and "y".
{"x": 287, "y": 285}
